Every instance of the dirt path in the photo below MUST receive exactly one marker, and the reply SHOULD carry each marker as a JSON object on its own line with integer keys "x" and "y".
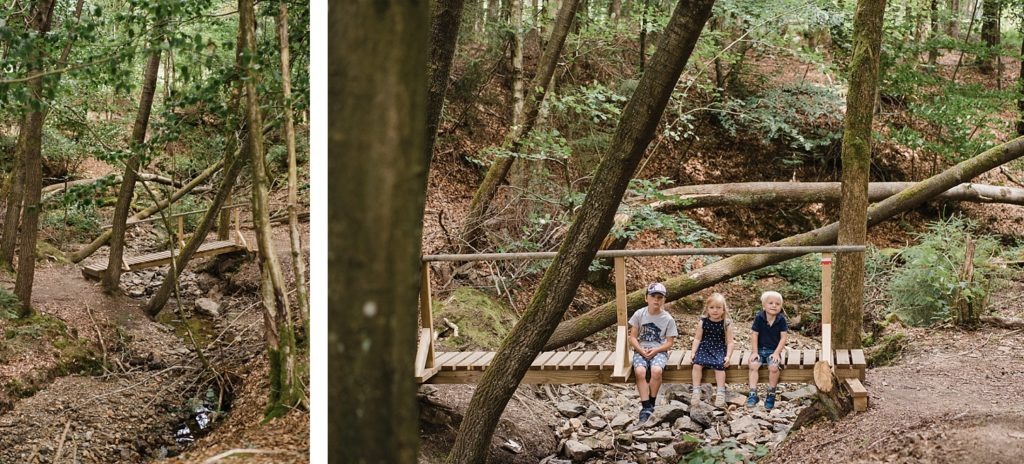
{"x": 953, "y": 397}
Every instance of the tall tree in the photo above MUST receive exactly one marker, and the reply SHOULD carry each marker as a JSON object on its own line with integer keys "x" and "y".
{"x": 515, "y": 38}
{"x": 953, "y": 24}
{"x": 933, "y": 33}
{"x": 856, "y": 158}
{"x": 991, "y": 10}
{"x": 31, "y": 152}
{"x": 285, "y": 389}
{"x": 485, "y": 193}
{"x": 445, "y": 21}
{"x": 112, "y": 278}
{"x": 375, "y": 226}
{"x": 298, "y": 264}
{"x": 632, "y": 136}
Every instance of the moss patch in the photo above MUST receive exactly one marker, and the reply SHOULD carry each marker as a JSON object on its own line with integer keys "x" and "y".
{"x": 482, "y": 320}
{"x": 889, "y": 348}
{"x": 43, "y": 335}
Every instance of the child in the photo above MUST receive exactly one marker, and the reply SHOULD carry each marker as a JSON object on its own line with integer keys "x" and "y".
{"x": 712, "y": 346}
{"x": 652, "y": 332}
{"x": 768, "y": 339}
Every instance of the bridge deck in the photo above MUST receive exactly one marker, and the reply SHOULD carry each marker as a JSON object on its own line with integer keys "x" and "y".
{"x": 163, "y": 257}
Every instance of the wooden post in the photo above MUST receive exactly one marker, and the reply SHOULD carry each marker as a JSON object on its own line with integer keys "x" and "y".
{"x": 425, "y": 350}
{"x": 238, "y": 228}
{"x": 181, "y": 231}
{"x": 826, "y": 308}
{"x": 621, "y": 369}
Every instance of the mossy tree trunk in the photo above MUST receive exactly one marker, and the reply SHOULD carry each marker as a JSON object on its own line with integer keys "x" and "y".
{"x": 603, "y": 316}
{"x": 112, "y": 278}
{"x": 31, "y": 152}
{"x": 472, "y": 228}
{"x": 631, "y": 139}
{"x": 285, "y": 389}
{"x": 856, "y": 159}
{"x": 375, "y": 226}
{"x": 445, "y": 22}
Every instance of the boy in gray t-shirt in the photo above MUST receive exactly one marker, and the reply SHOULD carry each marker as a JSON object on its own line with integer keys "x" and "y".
{"x": 652, "y": 330}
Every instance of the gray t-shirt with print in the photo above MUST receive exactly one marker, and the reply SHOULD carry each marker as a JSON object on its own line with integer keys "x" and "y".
{"x": 653, "y": 330}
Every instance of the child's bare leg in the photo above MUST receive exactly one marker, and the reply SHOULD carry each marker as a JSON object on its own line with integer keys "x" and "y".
{"x": 641, "y": 383}
{"x": 773, "y": 375}
{"x": 754, "y": 365}
{"x": 720, "y": 380}
{"x": 655, "y": 381}
{"x": 698, "y": 374}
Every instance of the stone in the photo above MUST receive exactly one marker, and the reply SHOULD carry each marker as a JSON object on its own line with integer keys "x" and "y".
{"x": 736, "y": 399}
{"x": 660, "y": 436}
{"x": 570, "y": 408}
{"x": 684, "y": 447}
{"x": 208, "y": 307}
{"x": 744, "y": 424}
{"x": 624, "y": 439}
{"x": 802, "y": 393}
{"x": 599, "y": 444}
{"x": 667, "y": 413}
{"x": 575, "y": 423}
{"x": 667, "y": 452}
{"x": 621, "y": 421}
{"x": 512, "y": 446}
{"x": 596, "y": 423}
{"x": 781, "y": 427}
{"x": 687, "y": 424}
{"x": 702, "y": 413}
{"x": 712, "y": 434}
{"x": 577, "y": 451}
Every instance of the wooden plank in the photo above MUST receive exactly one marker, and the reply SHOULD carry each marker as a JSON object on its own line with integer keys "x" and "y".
{"x": 609, "y": 363}
{"x": 542, "y": 358}
{"x": 581, "y": 362}
{"x": 450, "y": 365}
{"x": 443, "y": 357}
{"x": 810, "y": 357}
{"x": 674, "y": 360}
{"x": 569, "y": 360}
{"x": 734, "y": 361}
{"x": 842, "y": 359}
{"x": 421, "y": 356}
{"x": 744, "y": 358}
{"x": 482, "y": 363}
{"x": 620, "y": 360}
{"x": 826, "y": 344}
{"x": 687, "y": 361}
{"x": 164, "y": 257}
{"x": 792, "y": 357}
{"x": 859, "y": 394}
{"x": 552, "y": 362}
{"x": 857, "y": 359}
{"x": 465, "y": 364}
{"x": 620, "y": 292}
{"x": 603, "y": 376}
{"x": 598, "y": 360}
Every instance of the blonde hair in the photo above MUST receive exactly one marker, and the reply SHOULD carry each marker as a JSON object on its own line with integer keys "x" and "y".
{"x": 716, "y": 297}
{"x": 769, "y": 294}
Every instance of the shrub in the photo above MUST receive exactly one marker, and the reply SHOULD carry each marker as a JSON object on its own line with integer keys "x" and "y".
{"x": 925, "y": 290}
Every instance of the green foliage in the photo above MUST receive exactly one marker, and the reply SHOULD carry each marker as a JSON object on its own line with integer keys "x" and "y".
{"x": 802, "y": 277}
{"x": 9, "y": 304}
{"x": 73, "y": 221}
{"x": 644, "y": 217}
{"x": 727, "y": 451}
{"x": 925, "y": 289}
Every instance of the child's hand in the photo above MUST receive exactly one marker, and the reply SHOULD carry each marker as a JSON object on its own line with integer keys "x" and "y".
{"x": 776, "y": 358}
{"x": 725, "y": 362}
{"x": 649, "y": 353}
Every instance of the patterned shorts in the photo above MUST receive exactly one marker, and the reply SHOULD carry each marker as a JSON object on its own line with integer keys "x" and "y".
{"x": 660, "y": 360}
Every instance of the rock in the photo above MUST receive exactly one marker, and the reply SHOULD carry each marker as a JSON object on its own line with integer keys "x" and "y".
{"x": 554, "y": 460}
{"x": 621, "y": 421}
{"x": 624, "y": 439}
{"x": 660, "y": 436}
{"x": 744, "y": 424}
{"x": 781, "y": 427}
{"x": 736, "y": 399}
{"x": 596, "y": 423}
{"x": 570, "y": 408}
{"x": 712, "y": 434}
{"x": 684, "y": 447}
{"x": 577, "y": 451}
{"x": 668, "y": 413}
{"x": 512, "y": 446}
{"x": 208, "y": 307}
{"x": 802, "y": 393}
{"x": 575, "y": 424}
{"x": 702, "y": 413}
{"x": 667, "y": 453}
{"x": 687, "y": 424}
{"x": 599, "y": 444}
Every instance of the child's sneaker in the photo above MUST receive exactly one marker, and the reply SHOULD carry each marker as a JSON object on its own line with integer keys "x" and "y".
{"x": 720, "y": 400}
{"x": 694, "y": 398}
{"x": 644, "y": 415}
{"x": 769, "y": 400}
{"x": 752, "y": 399}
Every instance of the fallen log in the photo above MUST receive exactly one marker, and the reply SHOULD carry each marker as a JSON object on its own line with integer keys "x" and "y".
{"x": 51, "y": 191}
{"x": 1004, "y": 322}
{"x": 597, "y": 319}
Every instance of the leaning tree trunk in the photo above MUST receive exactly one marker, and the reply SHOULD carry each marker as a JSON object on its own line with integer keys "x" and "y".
{"x": 298, "y": 264}
{"x": 42, "y": 16}
{"x": 445, "y": 21}
{"x": 603, "y": 316}
{"x": 374, "y": 272}
{"x": 472, "y": 228}
{"x": 632, "y": 136}
{"x": 285, "y": 388}
{"x": 856, "y": 157}
{"x": 112, "y": 278}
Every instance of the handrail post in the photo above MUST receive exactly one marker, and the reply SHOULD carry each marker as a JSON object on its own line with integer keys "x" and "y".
{"x": 425, "y": 368}
{"x": 181, "y": 231}
{"x": 621, "y": 369}
{"x": 826, "y": 308}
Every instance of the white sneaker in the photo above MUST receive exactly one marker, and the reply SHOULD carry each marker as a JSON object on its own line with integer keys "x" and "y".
{"x": 720, "y": 400}
{"x": 694, "y": 398}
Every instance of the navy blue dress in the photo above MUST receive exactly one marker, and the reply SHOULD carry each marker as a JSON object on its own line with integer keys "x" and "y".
{"x": 711, "y": 351}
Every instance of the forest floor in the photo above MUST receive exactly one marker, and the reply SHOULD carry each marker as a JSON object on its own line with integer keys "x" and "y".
{"x": 153, "y": 382}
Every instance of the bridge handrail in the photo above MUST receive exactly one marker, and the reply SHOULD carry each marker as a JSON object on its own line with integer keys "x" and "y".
{"x": 777, "y": 250}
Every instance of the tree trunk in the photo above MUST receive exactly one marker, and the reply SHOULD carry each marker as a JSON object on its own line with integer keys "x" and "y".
{"x": 856, "y": 158}
{"x": 285, "y": 388}
{"x": 1020, "y": 92}
{"x": 953, "y": 26}
{"x": 632, "y": 136}
{"x": 112, "y": 278}
{"x": 374, "y": 272}
{"x": 298, "y": 263}
{"x": 515, "y": 37}
{"x": 614, "y": 10}
{"x": 472, "y": 228}
{"x": 603, "y": 316}
{"x": 445, "y": 21}
{"x": 42, "y": 16}
{"x": 933, "y": 48}
{"x": 828, "y": 403}
{"x": 990, "y": 35}
{"x": 234, "y": 126}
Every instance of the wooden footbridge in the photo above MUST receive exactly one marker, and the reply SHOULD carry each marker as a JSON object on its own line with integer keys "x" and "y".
{"x": 614, "y": 366}
{"x": 160, "y": 258}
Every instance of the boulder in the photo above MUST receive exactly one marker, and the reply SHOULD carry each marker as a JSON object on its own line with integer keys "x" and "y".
{"x": 570, "y": 408}
{"x": 744, "y": 424}
{"x": 668, "y": 413}
{"x": 668, "y": 453}
{"x": 577, "y": 451}
{"x": 687, "y": 424}
{"x": 621, "y": 421}
{"x": 208, "y": 307}
{"x": 802, "y": 393}
{"x": 702, "y": 413}
{"x": 596, "y": 423}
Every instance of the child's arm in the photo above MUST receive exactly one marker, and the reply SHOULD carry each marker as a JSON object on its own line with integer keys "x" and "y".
{"x": 664, "y": 346}
{"x": 698, "y": 334}
{"x": 728, "y": 345}
{"x": 753, "y": 343}
{"x": 634, "y": 332}
{"x": 777, "y": 354}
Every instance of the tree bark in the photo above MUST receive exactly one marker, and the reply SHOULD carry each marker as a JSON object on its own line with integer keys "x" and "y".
{"x": 52, "y": 190}
{"x": 632, "y": 137}
{"x": 1020, "y": 93}
{"x": 856, "y": 158}
{"x": 472, "y": 227}
{"x": 91, "y": 248}
{"x": 445, "y": 21}
{"x": 42, "y": 17}
{"x": 603, "y": 316}
{"x": 298, "y": 263}
{"x": 828, "y": 403}
{"x": 933, "y": 36}
{"x": 234, "y": 127}
{"x": 285, "y": 388}
{"x": 112, "y": 278}
{"x": 990, "y": 34}
{"x": 375, "y": 226}
{"x": 515, "y": 38}
{"x": 614, "y": 10}
{"x": 953, "y": 26}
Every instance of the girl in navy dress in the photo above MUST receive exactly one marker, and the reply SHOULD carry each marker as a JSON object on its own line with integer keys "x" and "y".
{"x": 712, "y": 346}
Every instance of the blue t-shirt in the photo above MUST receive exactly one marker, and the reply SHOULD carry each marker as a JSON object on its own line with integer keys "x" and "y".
{"x": 768, "y": 336}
